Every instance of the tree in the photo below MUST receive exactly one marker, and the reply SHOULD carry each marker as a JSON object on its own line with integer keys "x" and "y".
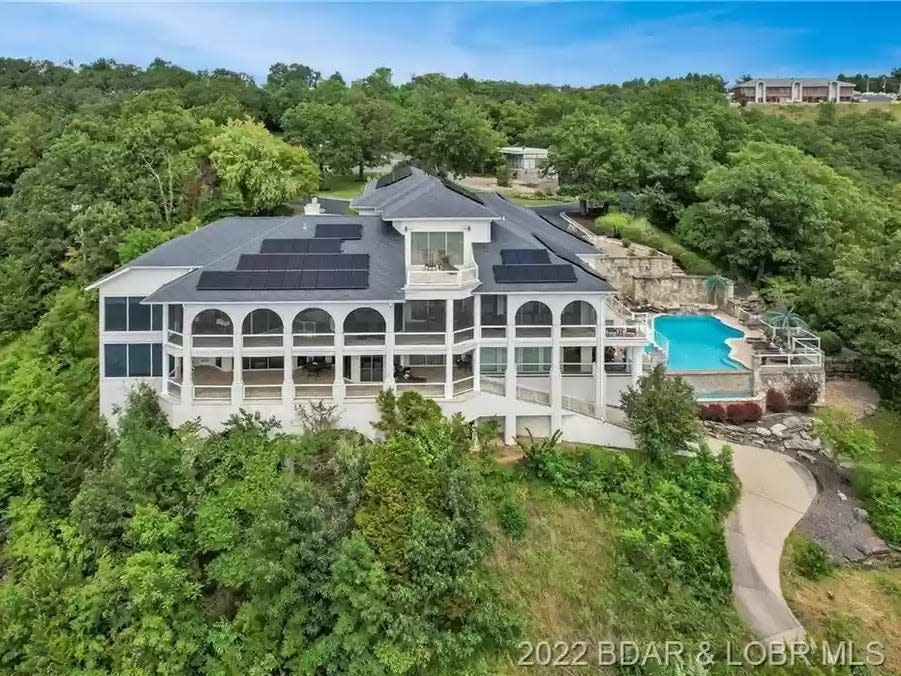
{"x": 265, "y": 171}
{"x": 774, "y": 210}
{"x": 717, "y": 286}
{"x": 447, "y": 136}
{"x": 331, "y": 133}
{"x": 662, "y": 414}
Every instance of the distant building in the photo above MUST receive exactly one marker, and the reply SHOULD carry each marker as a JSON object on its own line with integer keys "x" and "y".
{"x": 793, "y": 90}
{"x": 525, "y": 162}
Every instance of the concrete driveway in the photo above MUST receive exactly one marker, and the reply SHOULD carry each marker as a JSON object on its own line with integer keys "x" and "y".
{"x": 775, "y": 493}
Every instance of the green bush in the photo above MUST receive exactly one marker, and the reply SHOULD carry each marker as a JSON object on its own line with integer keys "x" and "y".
{"x": 883, "y": 502}
{"x": 811, "y": 559}
{"x": 640, "y": 231}
{"x": 830, "y": 343}
{"x": 512, "y": 516}
{"x": 502, "y": 175}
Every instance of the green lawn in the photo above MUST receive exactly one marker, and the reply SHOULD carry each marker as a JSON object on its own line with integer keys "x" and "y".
{"x": 342, "y": 186}
{"x": 887, "y": 426}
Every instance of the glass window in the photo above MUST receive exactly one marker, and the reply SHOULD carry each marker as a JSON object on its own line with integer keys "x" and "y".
{"x": 176, "y": 318}
{"x": 156, "y": 359}
{"x": 115, "y": 315}
{"x": 115, "y": 361}
{"x": 533, "y": 360}
{"x": 262, "y": 363}
{"x": 138, "y": 315}
{"x": 439, "y": 249}
{"x": 493, "y": 360}
{"x": 139, "y": 360}
{"x": 156, "y": 317}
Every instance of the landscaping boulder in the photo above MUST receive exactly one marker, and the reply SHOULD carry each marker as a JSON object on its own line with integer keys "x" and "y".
{"x": 778, "y": 429}
{"x": 793, "y": 423}
{"x": 762, "y": 432}
{"x": 798, "y": 443}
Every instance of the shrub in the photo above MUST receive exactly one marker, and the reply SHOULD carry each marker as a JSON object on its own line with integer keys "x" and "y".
{"x": 626, "y": 243}
{"x": 662, "y": 413}
{"x": 742, "y": 412}
{"x": 776, "y": 401}
{"x": 802, "y": 389}
{"x": 830, "y": 343}
{"x": 844, "y": 437}
{"x": 883, "y": 502}
{"x": 811, "y": 559}
{"x": 503, "y": 175}
{"x": 713, "y": 412}
{"x": 513, "y": 520}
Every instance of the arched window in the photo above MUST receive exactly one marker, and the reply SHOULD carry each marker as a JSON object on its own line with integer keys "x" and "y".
{"x": 364, "y": 320}
{"x": 262, "y": 321}
{"x": 212, "y": 322}
{"x": 579, "y": 313}
{"x": 313, "y": 321}
{"x": 534, "y": 313}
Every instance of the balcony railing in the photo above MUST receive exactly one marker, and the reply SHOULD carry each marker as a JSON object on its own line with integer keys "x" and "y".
{"x": 213, "y": 392}
{"x": 422, "y": 275}
{"x": 263, "y": 340}
{"x": 433, "y": 389}
{"x": 364, "y": 338}
{"x": 419, "y": 338}
{"x": 212, "y": 340}
{"x": 533, "y": 331}
{"x": 263, "y": 392}
{"x": 174, "y": 337}
{"x": 494, "y": 331}
{"x": 464, "y": 385}
{"x": 578, "y": 331}
{"x": 314, "y": 339}
{"x": 462, "y": 335}
{"x": 492, "y": 385}
{"x": 310, "y": 391}
{"x": 362, "y": 390}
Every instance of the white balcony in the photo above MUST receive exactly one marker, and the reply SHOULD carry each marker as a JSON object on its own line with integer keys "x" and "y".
{"x": 430, "y": 276}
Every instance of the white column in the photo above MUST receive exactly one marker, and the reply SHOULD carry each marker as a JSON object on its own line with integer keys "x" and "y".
{"x": 509, "y": 429}
{"x": 288, "y": 352}
{"x": 338, "y": 387}
{"x": 635, "y": 365}
{"x": 237, "y": 364}
{"x": 477, "y": 336}
{"x": 556, "y": 378}
{"x": 187, "y": 368}
{"x": 388, "y": 370}
{"x": 600, "y": 373}
{"x": 510, "y": 373}
{"x": 449, "y": 352}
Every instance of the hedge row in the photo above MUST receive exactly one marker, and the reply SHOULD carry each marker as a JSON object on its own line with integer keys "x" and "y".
{"x": 638, "y": 230}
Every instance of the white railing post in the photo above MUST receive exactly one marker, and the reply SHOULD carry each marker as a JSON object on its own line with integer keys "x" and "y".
{"x": 449, "y": 349}
{"x": 187, "y": 365}
{"x": 288, "y": 390}
{"x": 510, "y": 372}
{"x": 556, "y": 398}
{"x": 477, "y": 337}
{"x": 600, "y": 373}
{"x": 339, "y": 389}
{"x": 388, "y": 366}
{"x": 237, "y": 365}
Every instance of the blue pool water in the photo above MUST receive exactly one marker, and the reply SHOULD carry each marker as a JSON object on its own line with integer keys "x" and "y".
{"x": 697, "y": 342}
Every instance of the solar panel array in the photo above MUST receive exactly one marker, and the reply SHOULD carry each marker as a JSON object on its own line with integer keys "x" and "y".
{"x": 395, "y": 176}
{"x": 252, "y": 280}
{"x": 276, "y": 246}
{"x": 339, "y": 230}
{"x": 329, "y": 261}
{"x": 533, "y": 274}
{"x": 524, "y": 256}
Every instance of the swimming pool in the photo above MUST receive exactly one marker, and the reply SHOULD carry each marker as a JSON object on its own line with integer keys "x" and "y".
{"x": 697, "y": 342}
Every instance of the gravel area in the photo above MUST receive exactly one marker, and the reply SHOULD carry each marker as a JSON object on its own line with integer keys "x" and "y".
{"x": 836, "y": 517}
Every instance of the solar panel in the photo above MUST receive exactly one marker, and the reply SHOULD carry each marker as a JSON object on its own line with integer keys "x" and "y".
{"x": 330, "y": 261}
{"x": 525, "y": 274}
{"x": 460, "y": 190}
{"x": 250, "y": 280}
{"x": 524, "y": 256}
{"x": 273, "y": 246}
{"x": 396, "y": 175}
{"x": 340, "y": 230}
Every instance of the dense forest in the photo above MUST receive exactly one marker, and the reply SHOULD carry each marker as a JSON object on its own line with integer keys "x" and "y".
{"x": 143, "y": 550}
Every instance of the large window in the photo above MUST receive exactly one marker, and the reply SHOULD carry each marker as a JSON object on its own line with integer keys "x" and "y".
{"x": 262, "y": 363}
{"x": 126, "y": 313}
{"x": 132, "y": 360}
{"x": 533, "y": 360}
{"x": 437, "y": 249}
{"x": 493, "y": 360}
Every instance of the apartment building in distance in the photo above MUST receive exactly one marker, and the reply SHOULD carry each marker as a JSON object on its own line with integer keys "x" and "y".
{"x": 793, "y": 90}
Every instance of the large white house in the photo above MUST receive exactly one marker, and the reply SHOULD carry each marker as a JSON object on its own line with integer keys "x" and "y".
{"x": 473, "y": 301}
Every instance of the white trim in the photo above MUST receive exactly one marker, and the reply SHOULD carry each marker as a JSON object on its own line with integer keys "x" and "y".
{"x": 115, "y": 273}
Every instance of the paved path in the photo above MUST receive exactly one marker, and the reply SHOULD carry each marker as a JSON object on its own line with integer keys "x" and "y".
{"x": 775, "y": 493}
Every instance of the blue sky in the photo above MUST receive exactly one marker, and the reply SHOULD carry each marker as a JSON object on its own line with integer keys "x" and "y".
{"x": 576, "y": 43}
